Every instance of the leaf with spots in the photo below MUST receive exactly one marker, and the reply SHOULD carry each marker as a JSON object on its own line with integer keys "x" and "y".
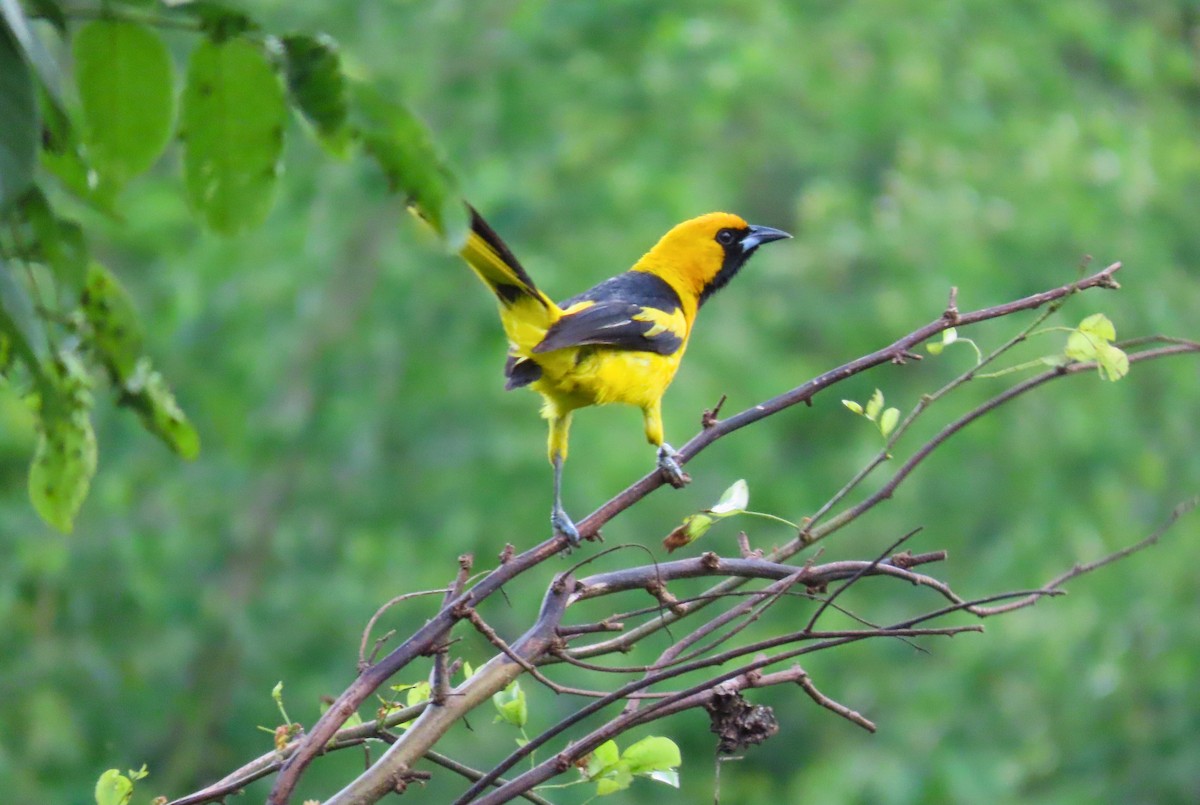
{"x": 233, "y": 116}
{"x": 64, "y": 460}
{"x": 318, "y": 87}
{"x": 401, "y": 145}
{"x": 116, "y": 329}
{"x": 147, "y": 393}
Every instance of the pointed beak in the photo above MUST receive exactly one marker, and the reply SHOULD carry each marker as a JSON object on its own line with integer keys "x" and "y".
{"x": 758, "y": 235}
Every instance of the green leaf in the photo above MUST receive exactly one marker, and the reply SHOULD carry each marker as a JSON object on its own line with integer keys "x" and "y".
{"x": 853, "y": 406}
{"x": 615, "y": 779}
{"x": 510, "y": 704}
{"x": 887, "y": 422}
{"x": 418, "y": 693}
{"x": 18, "y": 320}
{"x": 113, "y": 788}
{"x": 1092, "y": 341}
{"x": 1100, "y": 326}
{"x": 126, "y": 89}
{"x": 233, "y": 117}
{"x": 20, "y": 128}
{"x": 874, "y": 405}
{"x": 1114, "y": 363}
{"x": 317, "y": 86}
{"x": 64, "y": 460}
{"x": 734, "y": 500}
{"x": 654, "y": 753}
{"x": 116, "y": 328}
{"x": 404, "y": 150}
{"x": 601, "y": 758}
{"x": 147, "y": 393}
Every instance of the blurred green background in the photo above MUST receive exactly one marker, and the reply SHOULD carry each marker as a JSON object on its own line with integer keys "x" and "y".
{"x": 346, "y": 380}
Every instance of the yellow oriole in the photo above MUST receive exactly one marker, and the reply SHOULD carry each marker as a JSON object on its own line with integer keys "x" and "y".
{"x": 619, "y": 342}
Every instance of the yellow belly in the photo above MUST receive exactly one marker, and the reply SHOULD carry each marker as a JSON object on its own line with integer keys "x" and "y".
{"x": 584, "y": 376}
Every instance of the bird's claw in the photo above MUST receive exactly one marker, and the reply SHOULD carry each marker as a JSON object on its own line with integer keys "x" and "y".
{"x": 565, "y": 526}
{"x": 670, "y": 468}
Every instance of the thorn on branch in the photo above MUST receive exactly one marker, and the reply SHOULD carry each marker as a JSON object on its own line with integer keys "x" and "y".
{"x": 709, "y": 418}
{"x": 744, "y": 545}
{"x": 951, "y": 312}
{"x": 401, "y": 781}
{"x": 902, "y": 357}
{"x": 664, "y": 597}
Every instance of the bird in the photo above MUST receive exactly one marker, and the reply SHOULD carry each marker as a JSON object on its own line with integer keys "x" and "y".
{"x": 620, "y": 341}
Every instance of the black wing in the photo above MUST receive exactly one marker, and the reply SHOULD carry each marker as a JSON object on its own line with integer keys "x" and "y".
{"x": 622, "y": 325}
{"x": 635, "y": 311}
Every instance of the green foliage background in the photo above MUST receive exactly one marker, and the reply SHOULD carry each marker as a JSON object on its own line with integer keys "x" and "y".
{"x": 344, "y": 376}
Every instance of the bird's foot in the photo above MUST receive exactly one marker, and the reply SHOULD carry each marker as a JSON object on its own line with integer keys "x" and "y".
{"x": 670, "y": 468}
{"x": 564, "y": 525}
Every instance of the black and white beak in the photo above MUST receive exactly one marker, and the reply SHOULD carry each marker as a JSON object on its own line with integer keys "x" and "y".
{"x": 758, "y": 235}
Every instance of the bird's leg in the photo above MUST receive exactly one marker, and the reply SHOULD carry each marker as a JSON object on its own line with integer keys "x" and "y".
{"x": 558, "y": 516}
{"x": 670, "y": 468}
{"x": 672, "y": 472}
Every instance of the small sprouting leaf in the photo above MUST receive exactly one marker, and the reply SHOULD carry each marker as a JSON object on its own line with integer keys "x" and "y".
{"x": 934, "y": 347}
{"x": 1092, "y": 341}
{"x": 317, "y": 85}
{"x": 733, "y": 501}
{"x": 233, "y": 114}
{"x": 1114, "y": 363}
{"x": 113, "y": 788}
{"x": 874, "y": 405}
{"x": 853, "y": 406}
{"x": 18, "y": 109}
{"x": 654, "y": 753}
{"x": 417, "y": 693}
{"x": 693, "y": 527}
{"x": 64, "y": 460}
{"x": 117, "y": 331}
{"x": 888, "y": 420}
{"x": 949, "y": 336}
{"x": 510, "y": 704}
{"x": 126, "y": 89}
{"x": 404, "y": 150}
{"x": 277, "y": 693}
{"x": 1099, "y": 326}
{"x": 147, "y": 393}
{"x": 467, "y": 670}
{"x": 607, "y": 769}
{"x": 616, "y": 778}
{"x": 140, "y": 774}
{"x": 603, "y": 756}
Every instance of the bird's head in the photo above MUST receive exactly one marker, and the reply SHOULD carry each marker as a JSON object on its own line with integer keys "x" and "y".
{"x": 700, "y": 256}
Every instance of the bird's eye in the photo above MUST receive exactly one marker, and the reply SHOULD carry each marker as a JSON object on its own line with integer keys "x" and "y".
{"x": 726, "y": 237}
